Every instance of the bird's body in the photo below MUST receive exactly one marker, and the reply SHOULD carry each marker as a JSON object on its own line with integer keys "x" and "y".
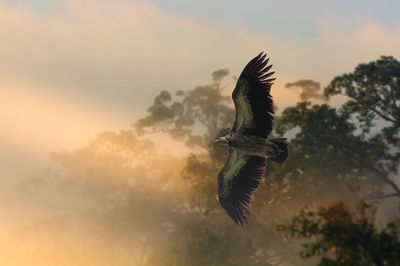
{"x": 249, "y": 146}
{"x": 252, "y": 145}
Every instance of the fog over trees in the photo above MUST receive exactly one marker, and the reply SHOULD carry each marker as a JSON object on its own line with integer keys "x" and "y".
{"x": 121, "y": 200}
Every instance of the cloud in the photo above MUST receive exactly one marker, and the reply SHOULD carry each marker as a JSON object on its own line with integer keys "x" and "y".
{"x": 122, "y": 53}
{"x": 345, "y": 46}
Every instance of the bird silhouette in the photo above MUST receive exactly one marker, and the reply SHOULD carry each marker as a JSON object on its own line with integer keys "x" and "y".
{"x": 249, "y": 146}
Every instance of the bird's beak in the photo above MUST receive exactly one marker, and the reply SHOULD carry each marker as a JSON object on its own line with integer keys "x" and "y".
{"x": 216, "y": 141}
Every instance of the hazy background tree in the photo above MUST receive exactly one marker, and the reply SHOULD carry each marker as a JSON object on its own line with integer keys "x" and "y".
{"x": 307, "y": 89}
{"x": 195, "y": 117}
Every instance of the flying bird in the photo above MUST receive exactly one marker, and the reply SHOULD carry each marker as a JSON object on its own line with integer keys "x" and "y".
{"x": 249, "y": 146}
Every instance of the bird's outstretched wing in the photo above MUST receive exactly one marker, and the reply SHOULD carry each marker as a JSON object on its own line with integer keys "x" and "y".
{"x": 237, "y": 181}
{"x": 252, "y": 98}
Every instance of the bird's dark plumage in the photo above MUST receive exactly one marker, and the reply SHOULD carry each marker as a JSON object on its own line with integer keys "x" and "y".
{"x": 252, "y": 98}
{"x": 249, "y": 147}
{"x": 237, "y": 181}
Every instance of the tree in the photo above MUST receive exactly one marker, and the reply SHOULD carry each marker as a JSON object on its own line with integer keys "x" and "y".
{"x": 336, "y": 146}
{"x": 327, "y": 149}
{"x": 123, "y": 194}
{"x": 373, "y": 90}
{"x": 343, "y": 236}
{"x": 208, "y": 222}
{"x": 203, "y": 109}
{"x": 309, "y": 89}
{"x": 328, "y": 160}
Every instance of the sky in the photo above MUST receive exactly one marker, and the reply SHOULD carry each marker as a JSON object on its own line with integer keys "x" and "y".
{"x": 70, "y": 69}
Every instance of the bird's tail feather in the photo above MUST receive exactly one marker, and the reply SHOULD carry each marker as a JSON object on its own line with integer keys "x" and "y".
{"x": 282, "y": 155}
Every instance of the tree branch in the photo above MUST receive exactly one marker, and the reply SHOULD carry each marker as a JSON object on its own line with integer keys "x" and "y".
{"x": 361, "y": 163}
{"x": 382, "y": 115}
{"x": 387, "y": 196}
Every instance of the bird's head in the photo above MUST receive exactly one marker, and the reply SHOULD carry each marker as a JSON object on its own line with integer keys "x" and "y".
{"x": 222, "y": 140}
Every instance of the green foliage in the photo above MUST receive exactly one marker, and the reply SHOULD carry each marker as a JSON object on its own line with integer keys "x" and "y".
{"x": 328, "y": 151}
{"x": 373, "y": 90}
{"x": 327, "y": 138}
{"x": 342, "y": 236}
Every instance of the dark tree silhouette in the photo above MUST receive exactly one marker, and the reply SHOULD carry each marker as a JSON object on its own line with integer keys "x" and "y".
{"x": 373, "y": 90}
{"x": 342, "y": 236}
{"x": 328, "y": 149}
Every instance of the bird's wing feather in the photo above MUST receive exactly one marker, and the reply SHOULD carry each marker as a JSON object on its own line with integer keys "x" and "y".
{"x": 237, "y": 181}
{"x": 252, "y": 98}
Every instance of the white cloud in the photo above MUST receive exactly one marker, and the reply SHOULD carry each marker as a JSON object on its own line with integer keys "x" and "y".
{"x": 121, "y": 54}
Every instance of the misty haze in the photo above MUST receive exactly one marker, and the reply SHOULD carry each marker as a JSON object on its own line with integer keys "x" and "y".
{"x": 109, "y": 111}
